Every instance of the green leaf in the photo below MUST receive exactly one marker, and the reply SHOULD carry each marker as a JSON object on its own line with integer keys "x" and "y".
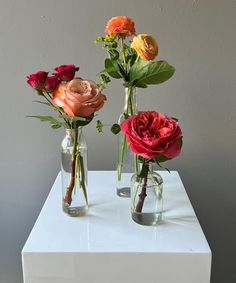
{"x": 122, "y": 71}
{"x": 104, "y": 80}
{"x": 38, "y": 91}
{"x": 56, "y": 126}
{"x": 162, "y": 167}
{"x": 74, "y": 118}
{"x": 150, "y": 73}
{"x": 176, "y": 119}
{"x": 55, "y": 123}
{"x": 47, "y": 104}
{"x": 114, "y": 54}
{"x": 111, "y": 67}
{"x": 109, "y": 38}
{"x": 141, "y": 85}
{"x": 42, "y": 102}
{"x": 98, "y": 39}
{"x": 138, "y": 70}
{"x": 161, "y": 158}
{"x": 113, "y": 45}
{"x": 141, "y": 159}
{"x": 181, "y": 141}
{"x": 99, "y": 126}
{"x": 77, "y": 121}
{"x": 115, "y": 129}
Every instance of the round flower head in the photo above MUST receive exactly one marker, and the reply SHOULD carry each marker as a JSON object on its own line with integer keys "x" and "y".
{"x": 37, "y": 80}
{"x": 66, "y": 72}
{"x": 151, "y": 133}
{"x": 120, "y": 25}
{"x": 78, "y": 97}
{"x": 146, "y": 46}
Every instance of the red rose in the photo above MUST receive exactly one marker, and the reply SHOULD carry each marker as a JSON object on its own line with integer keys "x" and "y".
{"x": 151, "y": 133}
{"x": 37, "y": 80}
{"x": 66, "y": 72}
{"x": 52, "y": 83}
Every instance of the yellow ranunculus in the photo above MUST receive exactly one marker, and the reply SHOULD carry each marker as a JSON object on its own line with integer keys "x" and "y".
{"x": 146, "y": 46}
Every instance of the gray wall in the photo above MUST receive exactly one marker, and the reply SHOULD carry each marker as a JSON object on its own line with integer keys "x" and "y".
{"x": 197, "y": 37}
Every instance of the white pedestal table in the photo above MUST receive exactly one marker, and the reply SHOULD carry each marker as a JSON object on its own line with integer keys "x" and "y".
{"x": 107, "y": 246}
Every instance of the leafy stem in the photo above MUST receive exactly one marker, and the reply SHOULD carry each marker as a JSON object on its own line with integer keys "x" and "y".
{"x": 58, "y": 109}
{"x": 129, "y": 110}
{"x": 123, "y": 53}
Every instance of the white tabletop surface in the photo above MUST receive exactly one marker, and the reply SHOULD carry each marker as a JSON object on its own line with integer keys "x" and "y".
{"x": 108, "y": 226}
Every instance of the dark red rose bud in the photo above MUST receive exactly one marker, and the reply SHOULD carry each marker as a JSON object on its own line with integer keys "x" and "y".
{"x": 52, "y": 83}
{"x": 66, "y": 72}
{"x": 37, "y": 80}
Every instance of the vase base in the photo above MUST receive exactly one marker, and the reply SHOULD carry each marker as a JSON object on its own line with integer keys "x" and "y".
{"x": 124, "y": 192}
{"x": 75, "y": 211}
{"x": 148, "y": 219}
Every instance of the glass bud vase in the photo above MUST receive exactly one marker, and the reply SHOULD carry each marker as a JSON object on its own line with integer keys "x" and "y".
{"x": 74, "y": 173}
{"x": 146, "y": 198}
{"x": 128, "y": 162}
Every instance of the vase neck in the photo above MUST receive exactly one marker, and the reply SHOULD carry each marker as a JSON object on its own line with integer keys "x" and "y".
{"x": 130, "y": 107}
{"x": 146, "y": 168}
{"x": 150, "y": 168}
{"x": 72, "y": 132}
{"x": 68, "y": 131}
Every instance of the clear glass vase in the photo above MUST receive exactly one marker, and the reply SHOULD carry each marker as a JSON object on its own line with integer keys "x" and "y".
{"x": 146, "y": 198}
{"x": 74, "y": 173}
{"x": 128, "y": 162}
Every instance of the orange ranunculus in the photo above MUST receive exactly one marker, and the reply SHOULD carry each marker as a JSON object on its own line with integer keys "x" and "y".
{"x": 146, "y": 46}
{"x": 121, "y": 25}
{"x": 79, "y": 97}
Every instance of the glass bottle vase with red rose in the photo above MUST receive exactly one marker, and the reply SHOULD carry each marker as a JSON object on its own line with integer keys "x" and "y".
{"x": 146, "y": 196}
{"x": 128, "y": 161}
{"x": 74, "y": 173}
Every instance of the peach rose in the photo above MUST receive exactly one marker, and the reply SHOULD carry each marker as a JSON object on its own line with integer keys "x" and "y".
{"x": 146, "y": 46}
{"x": 78, "y": 97}
{"x": 121, "y": 25}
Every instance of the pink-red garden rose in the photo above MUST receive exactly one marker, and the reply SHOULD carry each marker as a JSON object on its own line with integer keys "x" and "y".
{"x": 79, "y": 97}
{"x": 121, "y": 25}
{"x": 151, "y": 133}
{"x": 66, "y": 72}
{"x": 52, "y": 83}
{"x": 37, "y": 80}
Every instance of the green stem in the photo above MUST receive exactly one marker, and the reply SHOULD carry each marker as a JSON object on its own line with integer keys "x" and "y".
{"x": 82, "y": 181}
{"x": 120, "y": 165}
{"x": 132, "y": 106}
{"x": 137, "y": 58}
{"x": 123, "y": 53}
{"x": 129, "y": 110}
{"x": 81, "y": 170}
{"x": 69, "y": 189}
{"x": 136, "y": 171}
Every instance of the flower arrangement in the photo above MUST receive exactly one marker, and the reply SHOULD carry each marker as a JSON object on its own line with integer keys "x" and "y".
{"x": 155, "y": 138}
{"x": 75, "y": 100}
{"x": 133, "y": 62}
